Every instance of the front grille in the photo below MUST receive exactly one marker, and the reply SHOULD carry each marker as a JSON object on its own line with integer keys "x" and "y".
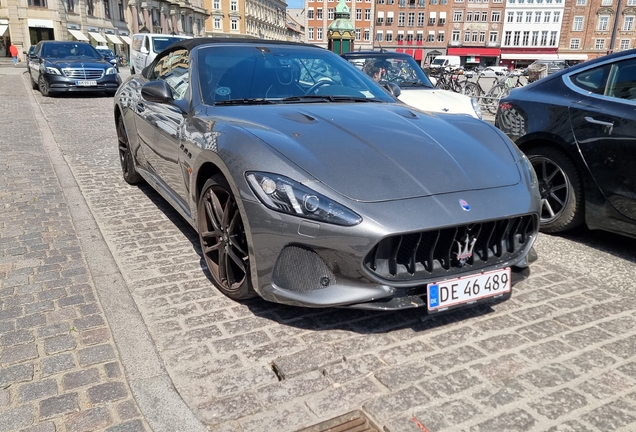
{"x": 80, "y": 73}
{"x": 447, "y": 251}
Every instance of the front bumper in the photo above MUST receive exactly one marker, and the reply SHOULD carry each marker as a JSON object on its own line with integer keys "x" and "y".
{"x": 304, "y": 263}
{"x": 60, "y": 84}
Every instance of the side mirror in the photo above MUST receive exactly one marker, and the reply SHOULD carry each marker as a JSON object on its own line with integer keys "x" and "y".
{"x": 157, "y": 91}
{"x": 393, "y": 88}
{"x": 143, "y": 50}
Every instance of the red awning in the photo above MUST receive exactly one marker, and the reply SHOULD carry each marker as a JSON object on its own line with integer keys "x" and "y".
{"x": 409, "y": 52}
{"x": 418, "y": 54}
{"x": 475, "y": 52}
{"x": 399, "y": 50}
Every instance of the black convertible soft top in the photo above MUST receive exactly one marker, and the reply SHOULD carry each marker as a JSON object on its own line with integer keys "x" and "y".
{"x": 189, "y": 44}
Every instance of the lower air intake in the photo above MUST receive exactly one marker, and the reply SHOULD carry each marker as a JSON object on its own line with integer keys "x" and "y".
{"x": 301, "y": 270}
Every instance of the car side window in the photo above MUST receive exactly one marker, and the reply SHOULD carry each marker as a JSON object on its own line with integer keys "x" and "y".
{"x": 147, "y": 43}
{"x": 174, "y": 68}
{"x": 622, "y": 80}
{"x": 593, "y": 80}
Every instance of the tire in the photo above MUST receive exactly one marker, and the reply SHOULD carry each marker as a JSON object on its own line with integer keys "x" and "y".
{"x": 223, "y": 239}
{"x": 34, "y": 85}
{"x": 561, "y": 190}
{"x": 131, "y": 176}
{"x": 43, "y": 86}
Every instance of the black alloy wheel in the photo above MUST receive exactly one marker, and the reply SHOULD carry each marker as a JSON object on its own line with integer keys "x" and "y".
{"x": 223, "y": 239}
{"x": 560, "y": 188}
{"x": 131, "y": 176}
{"x": 43, "y": 86}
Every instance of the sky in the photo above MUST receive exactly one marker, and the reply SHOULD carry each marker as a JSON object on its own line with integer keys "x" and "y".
{"x": 295, "y": 3}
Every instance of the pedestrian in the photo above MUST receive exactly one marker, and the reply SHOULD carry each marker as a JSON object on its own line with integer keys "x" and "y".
{"x": 13, "y": 50}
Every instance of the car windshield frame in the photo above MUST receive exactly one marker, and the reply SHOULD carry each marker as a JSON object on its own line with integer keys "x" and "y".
{"x": 279, "y": 73}
{"x": 169, "y": 40}
{"x": 401, "y": 70}
{"x": 70, "y": 51}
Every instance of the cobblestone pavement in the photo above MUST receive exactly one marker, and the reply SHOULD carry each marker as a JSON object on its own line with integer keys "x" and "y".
{"x": 559, "y": 356}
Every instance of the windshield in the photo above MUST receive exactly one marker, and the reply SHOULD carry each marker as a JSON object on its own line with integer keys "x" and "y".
{"x": 106, "y": 52}
{"x": 70, "y": 51}
{"x": 438, "y": 61}
{"x": 161, "y": 42}
{"x": 401, "y": 70}
{"x": 284, "y": 74}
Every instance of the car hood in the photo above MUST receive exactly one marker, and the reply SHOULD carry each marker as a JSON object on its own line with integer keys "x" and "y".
{"x": 437, "y": 101}
{"x": 379, "y": 152}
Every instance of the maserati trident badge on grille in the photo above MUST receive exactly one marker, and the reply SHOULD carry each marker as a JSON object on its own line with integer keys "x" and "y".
{"x": 465, "y": 248}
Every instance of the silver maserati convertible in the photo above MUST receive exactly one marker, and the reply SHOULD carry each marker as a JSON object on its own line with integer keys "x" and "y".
{"x": 310, "y": 184}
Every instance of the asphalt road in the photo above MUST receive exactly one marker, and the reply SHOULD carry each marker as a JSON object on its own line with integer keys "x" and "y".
{"x": 559, "y": 356}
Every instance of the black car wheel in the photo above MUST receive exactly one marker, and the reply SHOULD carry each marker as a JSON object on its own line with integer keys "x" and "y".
{"x": 125, "y": 155}
{"x": 560, "y": 188}
{"x": 34, "y": 85}
{"x": 43, "y": 86}
{"x": 223, "y": 239}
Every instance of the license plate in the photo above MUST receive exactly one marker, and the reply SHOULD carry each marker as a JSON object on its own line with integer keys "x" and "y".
{"x": 85, "y": 83}
{"x": 468, "y": 289}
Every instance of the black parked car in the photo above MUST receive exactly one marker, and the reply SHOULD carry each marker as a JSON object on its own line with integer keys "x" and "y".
{"x": 578, "y": 128}
{"x": 70, "y": 67}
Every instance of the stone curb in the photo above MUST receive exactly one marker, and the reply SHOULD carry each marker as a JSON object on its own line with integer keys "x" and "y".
{"x": 154, "y": 392}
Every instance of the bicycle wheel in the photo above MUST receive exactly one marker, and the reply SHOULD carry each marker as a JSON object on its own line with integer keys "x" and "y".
{"x": 497, "y": 92}
{"x": 470, "y": 89}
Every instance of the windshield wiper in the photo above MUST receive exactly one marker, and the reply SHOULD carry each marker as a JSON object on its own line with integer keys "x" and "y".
{"x": 330, "y": 98}
{"x": 414, "y": 84}
{"x": 245, "y": 101}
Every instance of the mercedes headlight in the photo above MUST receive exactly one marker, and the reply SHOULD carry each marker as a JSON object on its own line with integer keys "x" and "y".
{"x": 111, "y": 71}
{"x": 476, "y": 107}
{"x": 288, "y": 196}
{"x": 53, "y": 71}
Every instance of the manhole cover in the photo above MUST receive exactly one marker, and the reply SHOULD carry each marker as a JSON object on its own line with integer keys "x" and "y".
{"x": 354, "y": 421}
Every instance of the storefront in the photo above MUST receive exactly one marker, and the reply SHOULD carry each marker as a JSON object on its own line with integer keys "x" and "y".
{"x": 477, "y": 56}
{"x": 40, "y": 29}
{"x": 522, "y": 57}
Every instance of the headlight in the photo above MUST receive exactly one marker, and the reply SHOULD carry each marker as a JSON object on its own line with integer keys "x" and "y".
{"x": 111, "y": 71}
{"x": 53, "y": 71}
{"x": 287, "y": 196}
{"x": 476, "y": 107}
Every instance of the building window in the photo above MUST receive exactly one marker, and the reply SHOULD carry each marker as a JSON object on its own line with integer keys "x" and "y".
{"x": 482, "y": 36}
{"x": 431, "y": 37}
{"x": 473, "y": 36}
{"x": 628, "y": 24}
{"x": 70, "y": 5}
{"x": 330, "y": 13}
{"x": 575, "y": 44}
{"x": 389, "y": 18}
{"x": 440, "y": 36}
{"x": 107, "y": 9}
{"x": 511, "y": 17}
{"x": 217, "y": 24}
{"x": 458, "y": 15}
{"x": 578, "y": 23}
{"x": 515, "y": 39}
{"x": 389, "y": 36}
{"x": 319, "y": 13}
{"x": 537, "y": 17}
{"x": 234, "y": 6}
{"x": 495, "y": 16}
{"x": 319, "y": 33}
{"x": 455, "y": 36}
{"x": 528, "y": 17}
{"x": 310, "y": 14}
{"x": 624, "y": 45}
{"x": 556, "y": 17}
{"x": 606, "y": 2}
{"x": 535, "y": 38}
{"x": 411, "y": 21}
{"x": 553, "y": 38}
{"x": 400, "y": 37}
{"x": 546, "y": 17}
{"x": 366, "y": 34}
{"x": 367, "y": 14}
{"x": 599, "y": 44}
{"x": 469, "y": 16}
{"x": 358, "y": 34}
{"x": 90, "y": 7}
{"x": 216, "y": 4}
{"x": 358, "y": 14}
{"x": 442, "y": 18}
{"x": 420, "y": 19}
{"x": 603, "y": 21}
{"x": 409, "y": 37}
{"x": 122, "y": 10}
{"x": 234, "y": 24}
{"x": 544, "y": 38}
{"x": 401, "y": 19}
{"x": 581, "y": 2}
{"x": 519, "y": 17}
{"x": 526, "y": 38}
{"x": 419, "y": 37}
{"x": 379, "y": 36}
{"x": 507, "y": 37}
{"x": 467, "y": 36}
{"x": 492, "y": 37}
{"x": 431, "y": 19}
{"x": 484, "y": 16}
{"x": 380, "y": 18}
{"x": 631, "y": 2}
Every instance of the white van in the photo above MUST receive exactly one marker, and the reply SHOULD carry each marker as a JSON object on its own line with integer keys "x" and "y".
{"x": 146, "y": 46}
{"x": 445, "y": 61}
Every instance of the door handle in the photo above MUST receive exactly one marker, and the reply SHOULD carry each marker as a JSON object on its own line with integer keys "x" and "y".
{"x": 599, "y": 122}
{"x": 609, "y": 126}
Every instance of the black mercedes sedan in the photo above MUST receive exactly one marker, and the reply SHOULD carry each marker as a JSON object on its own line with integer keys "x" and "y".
{"x": 578, "y": 128}
{"x": 56, "y": 67}
{"x": 310, "y": 185}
